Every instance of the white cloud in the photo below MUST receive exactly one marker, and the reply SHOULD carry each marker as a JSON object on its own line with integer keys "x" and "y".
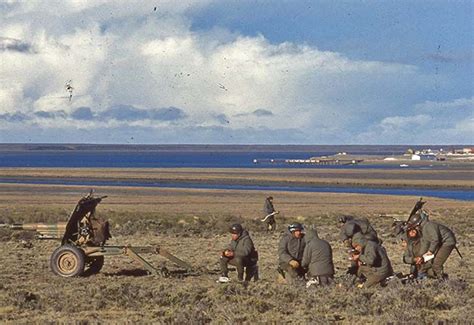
{"x": 451, "y": 105}
{"x": 431, "y": 128}
{"x": 126, "y": 53}
{"x": 405, "y": 122}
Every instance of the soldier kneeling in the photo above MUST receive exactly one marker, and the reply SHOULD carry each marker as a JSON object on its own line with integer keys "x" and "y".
{"x": 317, "y": 259}
{"x": 242, "y": 254}
{"x": 290, "y": 253}
{"x": 437, "y": 242}
{"x": 372, "y": 261}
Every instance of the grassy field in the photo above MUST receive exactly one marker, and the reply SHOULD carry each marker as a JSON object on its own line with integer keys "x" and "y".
{"x": 443, "y": 178}
{"x": 192, "y": 225}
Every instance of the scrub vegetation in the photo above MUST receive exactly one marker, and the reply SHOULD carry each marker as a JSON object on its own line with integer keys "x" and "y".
{"x": 192, "y": 224}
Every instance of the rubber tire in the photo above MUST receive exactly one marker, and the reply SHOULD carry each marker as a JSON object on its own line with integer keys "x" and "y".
{"x": 95, "y": 264}
{"x": 70, "y": 257}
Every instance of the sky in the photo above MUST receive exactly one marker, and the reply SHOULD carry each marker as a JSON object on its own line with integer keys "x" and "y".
{"x": 237, "y": 72}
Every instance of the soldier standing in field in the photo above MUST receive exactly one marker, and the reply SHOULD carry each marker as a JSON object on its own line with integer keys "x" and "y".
{"x": 317, "y": 259}
{"x": 241, "y": 253}
{"x": 290, "y": 253}
{"x": 269, "y": 214}
{"x": 437, "y": 242}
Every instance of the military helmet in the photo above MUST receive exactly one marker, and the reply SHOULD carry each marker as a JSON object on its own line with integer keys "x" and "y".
{"x": 344, "y": 219}
{"x": 417, "y": 218}
{"x": 236, "y": 228}
{"x": 295, "y": 226}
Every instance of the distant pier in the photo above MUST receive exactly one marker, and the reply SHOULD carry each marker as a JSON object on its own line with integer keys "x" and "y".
{"x": 323, "y": 161}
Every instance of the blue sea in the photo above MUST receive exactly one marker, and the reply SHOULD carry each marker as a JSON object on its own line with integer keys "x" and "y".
{"x": 175, "y": 156}
{"x": 116, "y": 156}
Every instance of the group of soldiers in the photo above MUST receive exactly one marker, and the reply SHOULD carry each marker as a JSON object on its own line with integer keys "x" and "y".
{"x": 303, "y": 256}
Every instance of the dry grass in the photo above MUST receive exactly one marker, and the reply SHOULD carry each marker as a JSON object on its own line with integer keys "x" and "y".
{"x": 192, "y": 224}
{"x": 459, "y": 178}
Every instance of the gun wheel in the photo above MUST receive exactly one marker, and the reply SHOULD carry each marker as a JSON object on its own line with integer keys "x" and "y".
{"x": 67, "y": 261}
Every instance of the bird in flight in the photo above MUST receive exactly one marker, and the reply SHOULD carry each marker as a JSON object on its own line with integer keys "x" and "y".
{"x": 69, "y": 88}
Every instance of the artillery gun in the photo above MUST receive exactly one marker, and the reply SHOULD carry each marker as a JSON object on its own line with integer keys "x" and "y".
{"x": 83, "y": 239}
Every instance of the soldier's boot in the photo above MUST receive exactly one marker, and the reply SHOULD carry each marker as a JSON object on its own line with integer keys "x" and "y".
{"x": 272, "y": 226}
{"x": 281, "y": 278}
{"x": 256, "y": 276}
{"x": 251, "y": 272}
{"x": 352, "y": 269}
{"x": 238, "y": 262}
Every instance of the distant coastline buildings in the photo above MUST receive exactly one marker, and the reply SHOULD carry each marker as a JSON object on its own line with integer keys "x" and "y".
{"x": 344, "y": 158}
{"x": 429, "y": 154}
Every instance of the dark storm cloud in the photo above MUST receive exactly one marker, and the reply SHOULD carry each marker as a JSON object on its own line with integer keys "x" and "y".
{"x": 167, "y": 114}
{"x": 124, "y": 113}
{"x": 131, "y": 113}
{"x": 222, "y": 119}
{"x": 262, "y": 112}
{"x": 53, "y": 114}
{"x": 14, "y": 117}
{"x": 82, "y": 113}
{"x": 15, "y": 45}
{"x": 257, "y": 112}
{"x": 150, "y": 135}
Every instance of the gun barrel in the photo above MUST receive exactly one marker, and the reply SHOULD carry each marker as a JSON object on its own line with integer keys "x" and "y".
{"x": 44, "y": 230}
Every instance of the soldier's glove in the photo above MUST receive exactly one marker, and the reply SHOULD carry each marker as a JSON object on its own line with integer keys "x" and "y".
{"x": 347, "y": 243}
{"x": 294, "y": 264}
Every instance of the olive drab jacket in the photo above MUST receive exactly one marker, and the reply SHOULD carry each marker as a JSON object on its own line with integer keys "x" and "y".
{"x": 290, "y": 248}
{"x": 268, "y": 207}
{"x": 412, "y": 251}
{"x": 363, "y": 226}
{"x": 317, "y": 255}
{"x": 375, "y": 257}
{"x": 243, "y": 246}
{"x": 435, "y": 235}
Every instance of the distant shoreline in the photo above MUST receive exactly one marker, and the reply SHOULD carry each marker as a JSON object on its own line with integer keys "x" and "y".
{"x": 16, "y": 147}
{"x": 452, "y": 183}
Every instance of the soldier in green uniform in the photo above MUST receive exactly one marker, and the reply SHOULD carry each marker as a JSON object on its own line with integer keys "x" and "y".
{"x": 290, "y": 252}
{"x": 351, "y": 226}
{"x": 269, "y": 214}
{"x": 241, "y": 253}
{"x": 317, "y": 259}
{"x": 372, "y": 260}
{"x": 411, "y": 241}
{"x": 436, "y": 240}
